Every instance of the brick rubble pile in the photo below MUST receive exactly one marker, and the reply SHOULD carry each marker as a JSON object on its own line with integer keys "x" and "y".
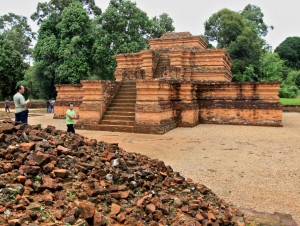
{"x": 50, "y": 177}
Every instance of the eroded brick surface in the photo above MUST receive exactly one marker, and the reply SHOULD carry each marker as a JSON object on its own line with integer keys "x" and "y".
{"x": 95, "y": 183}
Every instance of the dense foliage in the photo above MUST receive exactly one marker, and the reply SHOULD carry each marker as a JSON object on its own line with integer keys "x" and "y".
{"x": 15, "y": 43}
{"x": 77, "y": 42}
{"x": 241, "y": 34}
{"x": 16, "y": 29}
{"x": 289, "y": 50}
{"x": 12, "y": 68}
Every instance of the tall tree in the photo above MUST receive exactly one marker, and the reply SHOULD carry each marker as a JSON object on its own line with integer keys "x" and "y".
{"x": 224, "y": 27}
{"x": 271, "y": 69}
{"x": 16, "y": 29}
{"x": 123, "y": 28}
{"x": 289, "y": 50}
{"x": 64, "y": 51}
{"x": 245, "y": 51}
{"x": 254, "y": 16}
{"x": 55, "y": 7}
{"x": 241, "y": 34}
{"x": 46, "y": 57}
{"x": 11, "y": 67}
{"x": 161, "y": 25}
{"x": 76, "y": 42}
{"x": 127, "y": 27}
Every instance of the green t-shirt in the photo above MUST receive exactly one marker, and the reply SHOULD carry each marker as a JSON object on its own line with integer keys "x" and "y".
{"x": 19, "y": 100}
{"x": 69, "y": 113}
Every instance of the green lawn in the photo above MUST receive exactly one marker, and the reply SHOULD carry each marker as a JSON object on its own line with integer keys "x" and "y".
{"x": 286, "y": 101}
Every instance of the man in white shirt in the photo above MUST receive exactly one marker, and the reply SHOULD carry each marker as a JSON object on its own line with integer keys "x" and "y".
{"x": 21, "y": 111}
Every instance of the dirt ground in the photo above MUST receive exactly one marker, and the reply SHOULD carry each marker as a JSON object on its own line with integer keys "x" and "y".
{"x": 251, "y": 167}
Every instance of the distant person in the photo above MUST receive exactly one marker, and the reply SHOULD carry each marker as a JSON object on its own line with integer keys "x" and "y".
{"x": 52, "y": 102}
{"x": 7, "y": 105}
{"x": 70, "y": 116}
{"x": 21, "y": 111}
{"x": 47, "y": 105}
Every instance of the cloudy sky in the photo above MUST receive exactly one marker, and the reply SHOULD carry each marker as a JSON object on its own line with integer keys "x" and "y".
{"x": 190, "y": 15}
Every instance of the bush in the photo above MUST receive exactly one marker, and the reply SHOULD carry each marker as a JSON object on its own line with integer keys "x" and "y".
{"x": 288, "y": 91}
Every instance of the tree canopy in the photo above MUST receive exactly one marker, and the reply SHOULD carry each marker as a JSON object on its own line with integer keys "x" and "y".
{"x": 161, "y": 24}
{"x": 241, "y": 34}
{"x": 12, "y": 67}
{"x": 16, "y": 29}
{"x": 77, "y": 42}
{"x": 45, "y": 10}
{"x": 64, "y": 48}
{"x": 289, "y": 50}
{"x": 254, "y": 17}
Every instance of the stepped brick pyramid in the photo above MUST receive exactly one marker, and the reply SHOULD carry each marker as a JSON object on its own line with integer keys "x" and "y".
{"x": 177, "y": 82}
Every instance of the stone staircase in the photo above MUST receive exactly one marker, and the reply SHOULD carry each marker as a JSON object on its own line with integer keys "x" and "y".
{"x": 120, "y": 114}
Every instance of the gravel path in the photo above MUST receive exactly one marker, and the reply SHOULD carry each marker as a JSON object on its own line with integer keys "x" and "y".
{"x": 252, "y": 167}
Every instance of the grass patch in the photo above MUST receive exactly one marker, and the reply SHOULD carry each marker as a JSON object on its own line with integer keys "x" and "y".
{"x": 287, "y": 101}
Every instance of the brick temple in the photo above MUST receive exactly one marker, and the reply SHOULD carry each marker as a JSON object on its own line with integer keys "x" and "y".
{"x": 177, "y": 82}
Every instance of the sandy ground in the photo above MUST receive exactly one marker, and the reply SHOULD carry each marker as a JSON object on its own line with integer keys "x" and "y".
{"x": 251, "y": 167}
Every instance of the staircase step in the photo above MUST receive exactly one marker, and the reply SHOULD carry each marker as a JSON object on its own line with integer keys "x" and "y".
{"x": 128, "y": 85}
{"x": 121, "y": 105}
{"x": 132, "y": 101}
{"x": 119, "y": 113}
{"x": 127, "y": 92}
{"x": 118, "y": 117}
{"x": 115, "y": 128}
{"x": 125, "y": 95}
{"x": 117, "y": 122}
{"x": 121, "y": 109}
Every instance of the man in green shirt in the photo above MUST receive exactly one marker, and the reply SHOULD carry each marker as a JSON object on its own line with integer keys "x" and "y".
{"x": 21, "y": 111}
{"x": 70, "y": 116}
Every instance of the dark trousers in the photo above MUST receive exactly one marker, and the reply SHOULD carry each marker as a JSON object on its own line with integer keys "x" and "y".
{"x": 21, "y": 117}
{"x": 70, "y": 128}
{"x": 7, "y": 109}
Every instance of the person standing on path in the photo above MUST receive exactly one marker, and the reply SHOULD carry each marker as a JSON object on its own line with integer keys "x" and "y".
{"x": 48, "y": 105}
{"x": 52, "y": 102}
{"x": 7, "y": 105}
{"x": 70, "y": 116}
{"x": 21, "y": 111}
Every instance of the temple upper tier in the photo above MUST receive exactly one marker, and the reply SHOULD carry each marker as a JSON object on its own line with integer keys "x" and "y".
{"x": 175, "y": 56}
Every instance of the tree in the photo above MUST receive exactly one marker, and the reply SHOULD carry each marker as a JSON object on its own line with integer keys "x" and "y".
{"x": 271, "y": 69}
{"x": 46, "y": 58}
{"x": 64, "y": 50}
{"x": 289, "y": 50}
{"x": 32, "y": 84}
{"x": 240, "y": 34}
{"x": 55, "y": 7}
{"x": 254, "y": 16}
{"x": 289, "y": 88}
{"x": 161, "y": 25}
{"x": 224, "y": 27}
{"x": 76, "y": 41}
{"x": 126, "y": 26}
{"x": 16, "y": 29}
{"x": 123, "y": 28}
{"x": 11, "y": 67}
{"x": 245, "y": 51}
